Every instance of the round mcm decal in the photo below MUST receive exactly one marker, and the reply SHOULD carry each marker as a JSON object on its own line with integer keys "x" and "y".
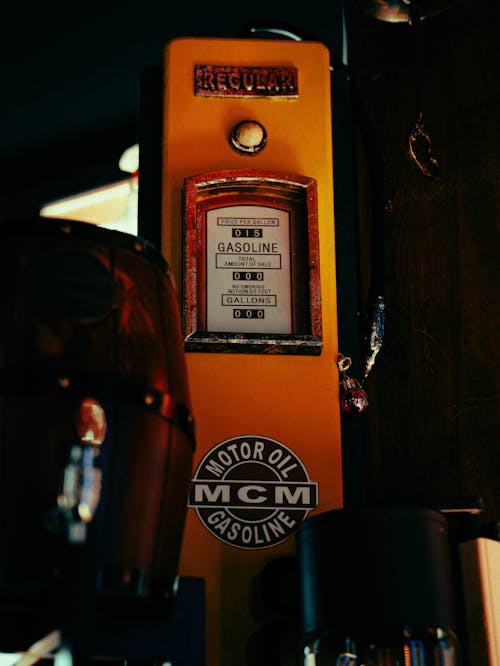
{"x": 252, "y": 492}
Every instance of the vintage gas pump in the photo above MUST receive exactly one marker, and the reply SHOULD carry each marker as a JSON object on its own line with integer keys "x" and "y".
{"x": 248, "y": 231}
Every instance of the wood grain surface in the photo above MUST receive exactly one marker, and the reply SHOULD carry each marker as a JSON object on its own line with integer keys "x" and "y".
{"x": 432, "y": 424}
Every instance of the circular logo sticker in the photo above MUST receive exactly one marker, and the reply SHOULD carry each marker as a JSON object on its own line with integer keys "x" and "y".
{"x": 252, "y": 492}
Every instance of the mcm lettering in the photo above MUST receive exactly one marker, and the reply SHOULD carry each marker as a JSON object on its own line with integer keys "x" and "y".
{"x": 252, "y": 494}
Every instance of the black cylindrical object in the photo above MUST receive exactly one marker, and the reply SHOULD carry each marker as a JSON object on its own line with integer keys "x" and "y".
{"x": 376, "y": 576}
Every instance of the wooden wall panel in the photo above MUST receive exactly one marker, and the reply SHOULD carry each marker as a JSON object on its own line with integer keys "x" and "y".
{"x": 432, "y": 424}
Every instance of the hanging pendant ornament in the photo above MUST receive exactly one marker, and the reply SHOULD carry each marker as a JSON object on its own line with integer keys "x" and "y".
{"x": 420, "y": 149}
{"x": 418, "y": 141}
{"x": 374, "y": 338}
{"x": 353, "y": 398}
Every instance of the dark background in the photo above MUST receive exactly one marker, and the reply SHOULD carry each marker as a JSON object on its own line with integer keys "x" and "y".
{"x": 70, "y": 106}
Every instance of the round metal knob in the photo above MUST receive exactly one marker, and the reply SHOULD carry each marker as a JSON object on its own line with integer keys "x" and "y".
{"x": 248, "y": 137}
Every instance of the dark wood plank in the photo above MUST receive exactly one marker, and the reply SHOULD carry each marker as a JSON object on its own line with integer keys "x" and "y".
{"x": 433, "y": 417}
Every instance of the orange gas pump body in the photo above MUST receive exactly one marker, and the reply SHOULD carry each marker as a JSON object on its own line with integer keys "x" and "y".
{"x": 290, "y": 398}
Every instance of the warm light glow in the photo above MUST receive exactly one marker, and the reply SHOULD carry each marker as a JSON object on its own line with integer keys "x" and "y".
{"x": 105, "y": 206}
{"x": 113, "y": 206}
{"x": 88, "y": 199}
{"x": 91, "y": 422}
{"x": 129, "y": 161}
{"x": 85, "y": 512}
{"x": 41, "y": 649}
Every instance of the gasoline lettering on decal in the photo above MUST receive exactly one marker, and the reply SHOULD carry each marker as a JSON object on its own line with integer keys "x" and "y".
{"x": 252, "y": 492}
